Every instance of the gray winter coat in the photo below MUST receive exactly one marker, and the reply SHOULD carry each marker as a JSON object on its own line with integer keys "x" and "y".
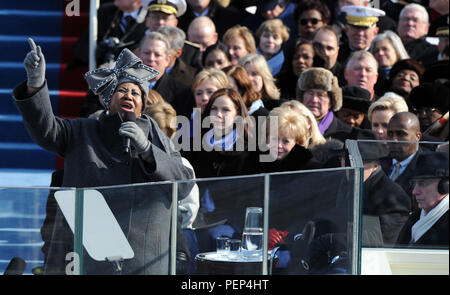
{"x": 93, "y": 156}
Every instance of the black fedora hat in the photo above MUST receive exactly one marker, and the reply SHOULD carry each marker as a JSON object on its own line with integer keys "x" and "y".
{"x": 431, "y": 165}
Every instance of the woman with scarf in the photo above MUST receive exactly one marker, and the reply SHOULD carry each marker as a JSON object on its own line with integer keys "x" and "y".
{"x": 94, "y": 156}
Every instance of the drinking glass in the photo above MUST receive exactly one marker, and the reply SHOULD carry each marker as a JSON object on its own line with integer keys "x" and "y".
{"x": 252, "y": 236}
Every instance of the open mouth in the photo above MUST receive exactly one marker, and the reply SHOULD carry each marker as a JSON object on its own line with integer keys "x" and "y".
{"x": 127, "y": 106}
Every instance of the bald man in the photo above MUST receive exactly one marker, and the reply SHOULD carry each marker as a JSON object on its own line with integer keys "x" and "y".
{"x": 203, "y": 32}
{"x": 404, "y": 131}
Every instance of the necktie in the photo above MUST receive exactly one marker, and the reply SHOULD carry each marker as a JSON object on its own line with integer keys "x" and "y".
{"x": 396, "y": 171}
{"x": 126, "y": 23}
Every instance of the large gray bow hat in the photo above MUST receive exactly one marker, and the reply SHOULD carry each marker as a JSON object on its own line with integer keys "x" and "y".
{"x": 128, "y": 68}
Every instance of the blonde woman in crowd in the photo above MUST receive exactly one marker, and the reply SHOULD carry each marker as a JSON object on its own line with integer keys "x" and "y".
{"x": 382, "y": 110}
{"x": 206, "y": 82}
{"x": 315, "y": 137}
{"x": 240, "y": 42}
{"x": 272, "y": 35}
{"x": 262, "y": 79}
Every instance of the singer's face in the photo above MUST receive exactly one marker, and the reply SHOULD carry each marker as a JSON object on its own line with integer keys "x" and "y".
{"x": 127, "y": 98}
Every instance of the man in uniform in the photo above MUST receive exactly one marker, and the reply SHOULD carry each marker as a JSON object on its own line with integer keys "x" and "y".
{"x": 360, "y": 29}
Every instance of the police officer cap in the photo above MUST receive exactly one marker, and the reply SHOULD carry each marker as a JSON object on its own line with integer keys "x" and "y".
{"x": 361, "y": 16}
{"x": 356, "y": 98}
{"x": 177, "y": 7}
{"x": 431, "y": 165}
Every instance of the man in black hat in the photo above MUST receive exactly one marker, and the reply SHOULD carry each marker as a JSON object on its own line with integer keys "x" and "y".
{"x": 356, "y": 102}
{"x": 428, "y": 227}
{"x": 382, "y": 197}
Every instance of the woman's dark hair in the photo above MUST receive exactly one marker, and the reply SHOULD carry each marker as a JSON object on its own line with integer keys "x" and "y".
{"x": 236, "y": 98}
{"x": 217, "y": 46}
{"x": 244, "y": 84}
{"x": 306, "y": 5}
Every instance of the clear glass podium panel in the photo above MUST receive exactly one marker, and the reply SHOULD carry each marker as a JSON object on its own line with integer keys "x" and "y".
{"x": 220, "y": 218}
{"x": 313, "y": 222}
{"x": 27, "y": 225}
{"x": 393, "y": 200}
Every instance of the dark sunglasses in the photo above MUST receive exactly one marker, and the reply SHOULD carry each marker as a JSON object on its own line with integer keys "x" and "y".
{"x": 305, "y": 21}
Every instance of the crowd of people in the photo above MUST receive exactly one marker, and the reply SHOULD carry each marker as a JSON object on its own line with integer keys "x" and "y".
{"x": 281, "y": 88}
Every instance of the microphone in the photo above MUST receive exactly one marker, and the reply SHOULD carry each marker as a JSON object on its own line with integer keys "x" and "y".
{"x": 127, "y": 117}
{"x": 15, "y": 267}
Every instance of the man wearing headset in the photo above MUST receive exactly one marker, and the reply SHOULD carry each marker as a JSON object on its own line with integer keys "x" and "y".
{"x": 428, "y": 227}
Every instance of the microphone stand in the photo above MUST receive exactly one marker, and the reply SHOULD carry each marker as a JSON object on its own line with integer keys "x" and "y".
{"x": 117, "y": 260}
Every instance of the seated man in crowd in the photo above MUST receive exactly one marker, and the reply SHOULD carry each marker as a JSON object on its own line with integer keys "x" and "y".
{"x": 154, "y": 50}
{"x": 428, "y": 227}
{"x": 402, "y": 160}
{"x": 202, "y": 31}
{"x": 382, "y": 198}
{"x": 362, "y": 71}
{"x": 120, "y": 19}
{"x": 360, "y": 29}
{"x": 167, "y": 13}
{"x": 177, "y": 68}
{"x": 326, "y": 46}
{"x": 412, "y": 27}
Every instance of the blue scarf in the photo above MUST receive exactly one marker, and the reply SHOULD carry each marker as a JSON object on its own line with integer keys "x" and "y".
{"x": 275, "y": 62}
{"x": 225, "y": 143}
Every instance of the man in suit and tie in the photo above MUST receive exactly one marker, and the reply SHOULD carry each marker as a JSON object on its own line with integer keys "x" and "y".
{"x": 404, "y": 131}
{"x": 154, "y": 50}
{"x": 123, "y": 20}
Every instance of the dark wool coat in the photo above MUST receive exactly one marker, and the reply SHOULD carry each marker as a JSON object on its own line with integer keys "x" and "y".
{"x": 384, "y": 198}
{"x": 435, "y": 237}
{"x": 179, "y": 95}
{"x": 93, "y": 156}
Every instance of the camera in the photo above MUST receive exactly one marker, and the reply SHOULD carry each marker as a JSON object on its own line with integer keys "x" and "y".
{"x": 108, "y": 49}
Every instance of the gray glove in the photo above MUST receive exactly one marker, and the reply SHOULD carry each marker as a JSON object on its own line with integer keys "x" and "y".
{"x": 35, "y": 66}
{"x": 138, "y": 139}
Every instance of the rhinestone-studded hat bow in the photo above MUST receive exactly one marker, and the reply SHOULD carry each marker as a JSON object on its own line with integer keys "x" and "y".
{"x": 128, "y": 68}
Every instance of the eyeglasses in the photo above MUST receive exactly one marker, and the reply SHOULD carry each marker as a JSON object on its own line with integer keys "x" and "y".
{"x": 305, "y": 21}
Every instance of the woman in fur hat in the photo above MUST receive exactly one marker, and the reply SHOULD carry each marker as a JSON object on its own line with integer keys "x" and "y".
{"x": 94, "y": 156}
{"x": 319, "y": 91}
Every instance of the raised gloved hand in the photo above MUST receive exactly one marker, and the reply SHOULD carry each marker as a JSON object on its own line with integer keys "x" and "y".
{"x": 276, "y": 237}
{"x": 134, "y": 132}
{"x": 35, "y": 66}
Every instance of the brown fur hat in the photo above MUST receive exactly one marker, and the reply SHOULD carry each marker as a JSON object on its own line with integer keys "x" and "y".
{"x": 320, "y": 78}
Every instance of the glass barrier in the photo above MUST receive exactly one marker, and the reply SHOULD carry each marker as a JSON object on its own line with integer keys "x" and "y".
{"x": 219, "y": 241}
{"x": 27, "y": 224}
{"x": 284, "y": 223}
{"x": 403, "y": 183}
{"x": 302, "y": 225}
{"x": 312, "y": 225}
